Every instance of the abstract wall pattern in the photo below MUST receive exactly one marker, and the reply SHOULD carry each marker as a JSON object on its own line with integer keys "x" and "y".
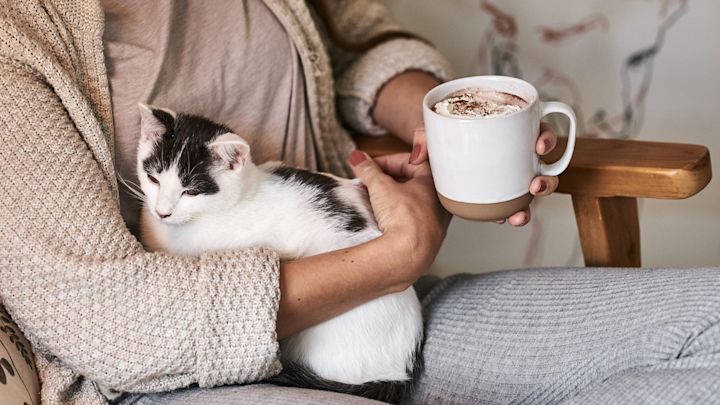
{"x": 639, "y": 69}
{"x": 498, "y": 53}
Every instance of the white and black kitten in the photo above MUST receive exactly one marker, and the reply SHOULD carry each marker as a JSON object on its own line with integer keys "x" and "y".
{"x": 202, "y": 192}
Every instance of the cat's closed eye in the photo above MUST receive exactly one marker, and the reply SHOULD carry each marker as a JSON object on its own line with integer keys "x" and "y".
{"x": 191, "y": 193}
{"x": 153, "y": 179}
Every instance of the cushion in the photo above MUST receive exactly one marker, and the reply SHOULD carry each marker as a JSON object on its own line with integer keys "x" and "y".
{"x": 252, "y": 394}
{"x": 19, "y": 382}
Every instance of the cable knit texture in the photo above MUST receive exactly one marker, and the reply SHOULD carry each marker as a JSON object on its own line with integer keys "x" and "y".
{"x": 84, "y": 290}
{"x": 102, "y": 313}
{"x": 359, "y": 79}
{"x": 573, "y": 336}
{"x": 357, "y": 92}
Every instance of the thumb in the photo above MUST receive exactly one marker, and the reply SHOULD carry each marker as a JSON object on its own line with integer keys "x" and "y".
{"x": 366, "y": 169}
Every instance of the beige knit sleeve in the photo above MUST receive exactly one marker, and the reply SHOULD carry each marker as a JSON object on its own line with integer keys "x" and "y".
{"x": 82, "y": 288}
{"x": 359, "y": 75}
{"x": 358, "y": 87}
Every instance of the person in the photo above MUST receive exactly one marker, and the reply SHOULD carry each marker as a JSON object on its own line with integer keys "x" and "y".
{"x": 108, "y": 320}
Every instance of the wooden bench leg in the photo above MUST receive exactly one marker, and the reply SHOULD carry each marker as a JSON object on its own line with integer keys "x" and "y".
{"x": 609, "y": 230}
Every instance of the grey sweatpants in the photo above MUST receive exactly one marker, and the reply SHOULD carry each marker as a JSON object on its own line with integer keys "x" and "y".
{"x": 547, "y": 336}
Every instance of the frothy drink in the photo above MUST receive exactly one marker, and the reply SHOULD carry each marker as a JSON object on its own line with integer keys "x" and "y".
{"x": 481, "y": 133}
{"x": 478, "y": 103}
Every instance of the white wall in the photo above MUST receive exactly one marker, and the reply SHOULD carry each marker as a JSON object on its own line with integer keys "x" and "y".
{"x": 682, "y": 106}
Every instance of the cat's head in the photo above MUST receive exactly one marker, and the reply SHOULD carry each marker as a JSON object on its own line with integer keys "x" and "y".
{"x": 187, "y": 165}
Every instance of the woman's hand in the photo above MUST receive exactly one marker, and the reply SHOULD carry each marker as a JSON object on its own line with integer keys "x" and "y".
{"x": 406, "y": 207}
{"x": 540, "y": 185}
{"x": 316, "y": 288}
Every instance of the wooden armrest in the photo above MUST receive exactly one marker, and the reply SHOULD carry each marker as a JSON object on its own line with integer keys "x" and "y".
{"x": 380, "y": 145}
{"x": 610, "y": 167}
{"x": 626, "y": 168}
{"x": 605, "y": 177}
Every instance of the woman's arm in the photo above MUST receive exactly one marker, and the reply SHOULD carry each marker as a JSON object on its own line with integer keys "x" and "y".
{"x": 153, "y": 321}
{"x": 380, "y": 51}
{"x": 413, "y": 224}
{"x": 84, "y": 290}
{"x": 399, "y": 104}
{"x": 321, "y": 287}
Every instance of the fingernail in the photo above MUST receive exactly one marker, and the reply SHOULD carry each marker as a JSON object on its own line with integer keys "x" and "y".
{"x": 543, "y": 187}
{"x": 415, "y": 153}
{"x": 547, "y": 145}
{"x": 356, "y": 157}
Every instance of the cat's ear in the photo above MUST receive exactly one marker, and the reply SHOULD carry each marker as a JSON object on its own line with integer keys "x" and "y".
{"x": 152, "y": 126}
{"x": 230, "y": 150}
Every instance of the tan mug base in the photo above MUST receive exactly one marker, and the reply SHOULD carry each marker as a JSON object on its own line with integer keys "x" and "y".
{"x": 486, "y": 212}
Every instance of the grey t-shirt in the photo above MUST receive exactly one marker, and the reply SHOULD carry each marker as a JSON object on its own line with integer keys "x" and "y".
{"x": 228, "y": 60}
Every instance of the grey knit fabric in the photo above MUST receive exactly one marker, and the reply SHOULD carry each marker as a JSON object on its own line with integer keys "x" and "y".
{"x": 548, "y": 336}
{"x": 584, "y": 336}
{"x": 656, "y": 387}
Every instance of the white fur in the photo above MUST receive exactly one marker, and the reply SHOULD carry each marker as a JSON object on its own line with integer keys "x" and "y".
{"x": 375, "y": 341}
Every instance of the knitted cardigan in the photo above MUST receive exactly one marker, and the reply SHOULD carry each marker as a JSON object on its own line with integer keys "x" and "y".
{"x": 99, "y": 310}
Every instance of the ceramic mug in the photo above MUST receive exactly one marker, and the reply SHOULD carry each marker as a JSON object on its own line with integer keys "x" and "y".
{"x": 483, "y": 166}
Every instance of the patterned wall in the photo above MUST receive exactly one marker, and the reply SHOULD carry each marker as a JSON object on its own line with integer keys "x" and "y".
{"x": 501, "y": 52}
{"x": 642, "y": 69}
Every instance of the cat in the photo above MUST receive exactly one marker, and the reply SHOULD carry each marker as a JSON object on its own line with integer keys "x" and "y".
{"x": 202, "y": 192}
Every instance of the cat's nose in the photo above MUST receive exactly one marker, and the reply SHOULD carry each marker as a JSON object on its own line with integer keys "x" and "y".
{"x": 162, "y": 214}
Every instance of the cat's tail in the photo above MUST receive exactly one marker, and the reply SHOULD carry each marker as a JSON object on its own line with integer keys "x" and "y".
{"x": 294, "y": 375}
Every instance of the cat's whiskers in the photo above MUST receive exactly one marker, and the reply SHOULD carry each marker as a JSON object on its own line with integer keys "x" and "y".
{"x": 162, "y": 153}
{"x": 179, "y": 153}
{"x": 190, "y": 173}
{"x": 134, "y": 188}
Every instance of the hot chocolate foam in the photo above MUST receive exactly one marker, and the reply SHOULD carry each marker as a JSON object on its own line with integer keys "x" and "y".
{"x": 477, "y": 103}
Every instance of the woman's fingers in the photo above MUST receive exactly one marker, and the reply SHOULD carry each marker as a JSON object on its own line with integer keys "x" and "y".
{"x": 419, "y": 152}
{"x": 546, "y": 141}
{"x": 520, "y": 218}
{"x": 543, "y": 185}
{"x": 398, "y": 166}
{"x": 367, "y": 170}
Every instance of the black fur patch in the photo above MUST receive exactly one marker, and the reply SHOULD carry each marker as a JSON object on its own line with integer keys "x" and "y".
{"x": 393, "y": 392}
{"x": 185, "y": 141}
{"x": 294, "y": 375}
{"x": 325, "y": 199}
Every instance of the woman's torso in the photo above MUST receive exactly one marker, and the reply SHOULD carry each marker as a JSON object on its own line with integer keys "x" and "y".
{"x": 230, "y": 61}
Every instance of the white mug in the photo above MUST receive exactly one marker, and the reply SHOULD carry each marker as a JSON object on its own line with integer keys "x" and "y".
{"x": 483, "y": 166}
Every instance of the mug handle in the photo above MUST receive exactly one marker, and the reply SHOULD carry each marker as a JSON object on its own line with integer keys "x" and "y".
{"x": 558, "y": 167}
